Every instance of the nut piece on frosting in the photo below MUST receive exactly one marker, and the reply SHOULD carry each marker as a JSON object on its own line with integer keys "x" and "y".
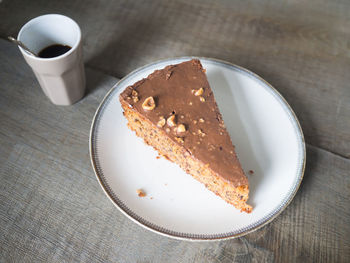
{"x": 168, "y": 75}
{"x": 179, "y": 139}
{"x": 134, "y": 96}
{"x": 181, "y": 128}
{"x": 161, "y": 122}
{"x": 201, "y": 133}
{"x": 198, "y": 92}
{"x": 171, "y": 121}
{"x": 149, "y": 104}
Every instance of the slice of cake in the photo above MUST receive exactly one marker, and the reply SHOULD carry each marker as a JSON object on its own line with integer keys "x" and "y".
{"x": 174, "y": 111}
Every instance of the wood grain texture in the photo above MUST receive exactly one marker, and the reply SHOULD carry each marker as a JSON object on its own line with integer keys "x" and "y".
{"x": 300, "y": 47}
{"x": 52, "y": 208}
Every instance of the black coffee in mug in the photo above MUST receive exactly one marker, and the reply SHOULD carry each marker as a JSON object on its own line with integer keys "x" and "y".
{"x": 54, "y": 51}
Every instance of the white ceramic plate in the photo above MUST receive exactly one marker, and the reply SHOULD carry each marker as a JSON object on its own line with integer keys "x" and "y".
{"x": 268, "y": 140}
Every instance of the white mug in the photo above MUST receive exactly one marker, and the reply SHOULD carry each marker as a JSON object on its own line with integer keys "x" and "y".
{"x": 62, "y": 78}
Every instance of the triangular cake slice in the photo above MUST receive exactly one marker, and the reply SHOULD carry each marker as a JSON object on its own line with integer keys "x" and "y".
{"x": 174, "y": 111}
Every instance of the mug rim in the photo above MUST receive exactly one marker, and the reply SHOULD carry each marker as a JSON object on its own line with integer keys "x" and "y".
{"x": 74, "y": 47}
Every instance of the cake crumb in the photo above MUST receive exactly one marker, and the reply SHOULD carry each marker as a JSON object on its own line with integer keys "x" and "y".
{"x": 157, "y": 157}
{"x": 151, "y": 197}
{"x": 140, "y": 193}
{"x": 161, "y": 122}
{"x": 251, "y": 172}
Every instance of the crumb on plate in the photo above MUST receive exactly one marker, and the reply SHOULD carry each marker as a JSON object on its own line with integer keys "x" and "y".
{"x": 141, "y": 193}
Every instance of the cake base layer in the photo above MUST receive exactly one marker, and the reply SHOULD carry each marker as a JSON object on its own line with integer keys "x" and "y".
{"x": 237, "y": 196}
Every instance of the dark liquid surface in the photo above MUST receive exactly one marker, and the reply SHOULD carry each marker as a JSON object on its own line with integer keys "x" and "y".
{"x": 54, "y": 51}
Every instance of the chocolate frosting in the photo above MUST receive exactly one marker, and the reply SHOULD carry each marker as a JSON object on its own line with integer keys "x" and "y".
{"x": 176, "y": 90}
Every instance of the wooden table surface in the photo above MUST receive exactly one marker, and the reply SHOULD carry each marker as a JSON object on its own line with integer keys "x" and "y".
{"x": 52, "y": 208}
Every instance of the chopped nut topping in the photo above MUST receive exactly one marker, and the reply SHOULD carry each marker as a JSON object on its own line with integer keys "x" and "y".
{"x": 167, "y": 130}
{"x": 194, "y": 121}
{"x": 193, "y": 133}
{"x": 181, "y": 128}
{"x": 149, "y": 104}
{"x": 134, "y": 96}
{"x": 202, "y": 99}
{"x": 167, "y": 76}
{"x": 140, "y": 193}
{"x": 134, "y": 93}
{"x": 190, "y": 103}
{"x": 200, "y": 132}
{"x": 198, "y": 92}
{"x": 221, "y": 133}
{"x": 201, "y": 120}
{"x": 171, "y": 121}
{"x": 198, "y": 142}
{"x": 180, "y": 140}
{"x": 161, "y": 122}
{"x": 182, "y": 116}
